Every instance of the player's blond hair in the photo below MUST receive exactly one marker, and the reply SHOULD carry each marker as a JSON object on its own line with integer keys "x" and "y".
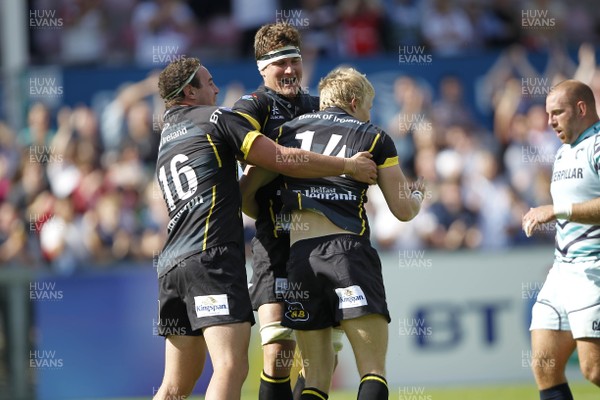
{"x": 342, "y": 85}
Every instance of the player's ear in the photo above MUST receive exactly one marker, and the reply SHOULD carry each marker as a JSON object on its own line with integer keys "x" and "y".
{"x": 354, "y": 104}
{"x": 581, "y": 107}
{"x": 188, "y": 91}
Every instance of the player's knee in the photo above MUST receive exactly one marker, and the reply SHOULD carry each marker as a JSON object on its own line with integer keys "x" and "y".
{"x": 336, "y": 339}
{"x": 591, "y": 372}
{"x": 274, "y": 332}
{"x": 179, "y": 390}
{"x": 235, "y": 371}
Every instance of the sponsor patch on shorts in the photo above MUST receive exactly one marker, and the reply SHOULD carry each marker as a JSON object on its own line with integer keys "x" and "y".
{"x": 296, "y": 312}
{"x": 212, "y": 305}
{"x": 351, "y": 296}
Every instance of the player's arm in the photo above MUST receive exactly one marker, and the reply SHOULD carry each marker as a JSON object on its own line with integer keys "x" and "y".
{"x": 299, "y": 163}
{"x": 253, "y": 179}
{"x": 403, "y": 198}
{"x": 587, "y": 212}
{"x": 257, "y": 149}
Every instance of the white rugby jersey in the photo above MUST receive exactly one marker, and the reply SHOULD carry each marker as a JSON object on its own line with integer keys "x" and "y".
{"x": 575, "y": 179}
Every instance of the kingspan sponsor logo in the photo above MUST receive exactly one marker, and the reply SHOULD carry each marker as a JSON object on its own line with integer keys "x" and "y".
{"x": 211, "y": 305}
{"x": 351, "y": 296}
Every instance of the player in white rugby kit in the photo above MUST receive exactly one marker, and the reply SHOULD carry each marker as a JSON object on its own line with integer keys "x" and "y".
{"x": 566, "y": 315}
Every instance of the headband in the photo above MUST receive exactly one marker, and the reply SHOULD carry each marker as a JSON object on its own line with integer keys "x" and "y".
{"x": 276, "y": 55}
{"x": 180, "y": 88}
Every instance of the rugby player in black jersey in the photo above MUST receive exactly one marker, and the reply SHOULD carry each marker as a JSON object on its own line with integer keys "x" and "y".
{"x": 334, "y": 274}
{"x": 279, "y": 99}
{"x": 203, "y": 295}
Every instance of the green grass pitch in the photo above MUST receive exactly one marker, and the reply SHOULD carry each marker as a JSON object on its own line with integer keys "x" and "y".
{"x": 581, "y": 391}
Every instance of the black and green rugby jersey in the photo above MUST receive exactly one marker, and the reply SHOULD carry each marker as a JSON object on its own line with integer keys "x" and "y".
{"x": 334, "y": 132}
{"x": 267, "y": 111}
{"x": 197, "y": 173}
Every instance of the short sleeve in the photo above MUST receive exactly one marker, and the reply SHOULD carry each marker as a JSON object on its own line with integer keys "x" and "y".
{"x": 250, "y": 107}
{"x": 235, "y": 129}
{"x": 384, "y": 151}
{"x": 596, "y": 155}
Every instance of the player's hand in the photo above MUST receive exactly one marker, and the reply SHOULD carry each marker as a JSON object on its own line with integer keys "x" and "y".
{"x": 362, "y": 168}
{"x": 418, "y": 185}
{"x": 417, "y": 189}
{"x": 535, "y": 217}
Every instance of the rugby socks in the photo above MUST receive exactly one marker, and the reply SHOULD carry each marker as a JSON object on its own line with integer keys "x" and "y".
{"x": 274, "y": 388}
{"x": 373, "y": 387}
{"x": 299, "y": 386}
{"x": 311, "y": 393}
{"x": 558, "y": 392}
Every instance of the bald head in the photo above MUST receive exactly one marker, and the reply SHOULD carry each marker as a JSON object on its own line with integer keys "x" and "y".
{"x": 574, "y": 91}
{"x": 571, "y": 109}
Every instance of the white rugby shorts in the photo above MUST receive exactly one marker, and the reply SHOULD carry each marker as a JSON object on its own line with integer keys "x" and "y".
{"x": 570, "y": 300}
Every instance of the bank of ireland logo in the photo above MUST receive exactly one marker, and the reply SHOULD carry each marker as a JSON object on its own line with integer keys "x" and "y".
{"x": 295, "y": 311}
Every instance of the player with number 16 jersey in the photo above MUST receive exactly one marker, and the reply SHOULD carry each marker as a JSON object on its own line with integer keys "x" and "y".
{"x": 197, "y": 172}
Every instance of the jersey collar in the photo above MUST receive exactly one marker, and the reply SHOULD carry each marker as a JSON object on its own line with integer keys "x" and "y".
{"x": 335, "y": 109}
{"x": 592, "y": 130}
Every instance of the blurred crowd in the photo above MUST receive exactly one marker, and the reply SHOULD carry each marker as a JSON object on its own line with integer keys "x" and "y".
{"x": 78, "y": 188}
{"x": 138, "y": 31}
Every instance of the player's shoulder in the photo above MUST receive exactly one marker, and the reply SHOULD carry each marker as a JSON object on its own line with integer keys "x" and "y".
{"x": 312, "y": 101}
{"x": 594, "y": 146}
{"x": 258, "y": 97}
